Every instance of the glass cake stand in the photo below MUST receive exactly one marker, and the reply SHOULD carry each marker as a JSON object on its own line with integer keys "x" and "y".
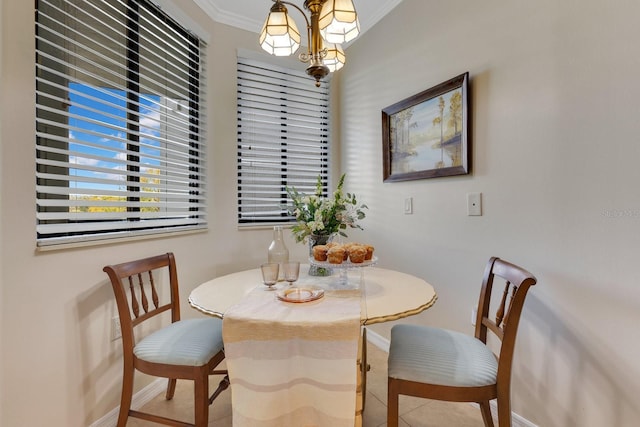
{"x": 344, "y": 268}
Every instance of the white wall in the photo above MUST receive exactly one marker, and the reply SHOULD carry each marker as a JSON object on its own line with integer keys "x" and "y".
{"x": 555, "y": 139}
{"x": 59, "y": 367}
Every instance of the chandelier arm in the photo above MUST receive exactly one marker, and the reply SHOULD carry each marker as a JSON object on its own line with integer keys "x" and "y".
{"x": 306, "y": 21}
{"x": 299, "y": 10}
{"x": 316, "y": 52}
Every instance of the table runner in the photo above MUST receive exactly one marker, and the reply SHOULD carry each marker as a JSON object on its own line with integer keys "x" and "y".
{"x": 293, "y": 364}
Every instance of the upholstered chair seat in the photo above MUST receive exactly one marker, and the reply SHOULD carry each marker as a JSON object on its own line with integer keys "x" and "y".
{"x": 191, "y": 342}
{"x": 439, "y": 356}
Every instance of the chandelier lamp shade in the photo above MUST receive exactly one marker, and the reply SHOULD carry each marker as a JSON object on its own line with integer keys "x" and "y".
{"x": 280, "y": 35}
{"x": 331, "y": 23}
{"x": 335, "y": 57}
{"x": 338, "y": 21}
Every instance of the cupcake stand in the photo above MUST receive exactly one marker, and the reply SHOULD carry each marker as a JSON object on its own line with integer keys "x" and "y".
{"x": 341, "y": 279}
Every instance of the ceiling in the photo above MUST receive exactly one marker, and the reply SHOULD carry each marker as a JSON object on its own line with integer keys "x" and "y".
{"x": 250, "y": 14}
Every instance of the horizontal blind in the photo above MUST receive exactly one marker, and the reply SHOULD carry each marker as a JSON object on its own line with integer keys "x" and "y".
{"x": 119, "y": 122}
{"x": 283, "y": 139}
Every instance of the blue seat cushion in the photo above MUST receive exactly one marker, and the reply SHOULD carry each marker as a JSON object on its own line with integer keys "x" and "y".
{"x": 439, "y": 356}
{"x": 191, "y": 342}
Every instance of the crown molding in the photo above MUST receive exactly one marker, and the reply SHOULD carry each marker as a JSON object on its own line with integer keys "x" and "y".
{"x": 224, "y": 16}
{"x": 229, "y": 18}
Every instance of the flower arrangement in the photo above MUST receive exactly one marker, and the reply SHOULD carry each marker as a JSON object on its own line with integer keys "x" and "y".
{"x": 318, "y": 215}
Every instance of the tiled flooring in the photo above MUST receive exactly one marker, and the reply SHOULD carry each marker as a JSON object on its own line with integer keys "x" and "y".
{"x": 413, "y": 412}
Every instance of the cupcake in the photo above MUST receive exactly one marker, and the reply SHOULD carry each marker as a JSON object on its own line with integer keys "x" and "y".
{"x": 335, "y": 255}
{"x": 320, "y": 252}
{"x": 357, "y": 253}
{"x": 369, "y": 254}
{"x": 348, "y": 246}
{"x": 345, "y": 248}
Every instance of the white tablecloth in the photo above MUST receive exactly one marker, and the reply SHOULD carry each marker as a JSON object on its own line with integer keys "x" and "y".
{"x": 293, "y": 364}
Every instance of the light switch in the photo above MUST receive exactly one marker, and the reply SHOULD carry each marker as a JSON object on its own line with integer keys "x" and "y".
{"x": 474, "y": 204}
{"x": 408, "y": 205}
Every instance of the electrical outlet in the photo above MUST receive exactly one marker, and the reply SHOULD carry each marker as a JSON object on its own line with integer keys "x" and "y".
{"x": 116, "y": 331}
{"x": 474, "y": 204}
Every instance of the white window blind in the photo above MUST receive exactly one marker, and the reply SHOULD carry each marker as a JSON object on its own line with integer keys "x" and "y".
{"x": 283, "y": 139}
{"x": 119, "y": 122}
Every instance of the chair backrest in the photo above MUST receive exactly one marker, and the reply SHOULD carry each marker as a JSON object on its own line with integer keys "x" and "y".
{"x": 136, "y": 288}
{"x": 507, "y": 315}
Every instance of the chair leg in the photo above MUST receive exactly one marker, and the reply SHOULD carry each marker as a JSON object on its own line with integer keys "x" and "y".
{"x": 171, "y": 388}
{"x": 364, "y": 368}
{"x": 392, "y": 403}
{"x": 504, "y": 413}
{"x": 127, "y": 394}
{"x": 485, "y": 409}
{"x": 223, "y": 385}
{"x": 201, "y": 400}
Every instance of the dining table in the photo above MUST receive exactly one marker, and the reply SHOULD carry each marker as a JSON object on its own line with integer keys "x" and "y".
{"x": 296, "y": 354}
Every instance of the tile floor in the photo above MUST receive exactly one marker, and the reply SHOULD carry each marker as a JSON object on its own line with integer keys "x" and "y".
{"x": 413, "y": 412}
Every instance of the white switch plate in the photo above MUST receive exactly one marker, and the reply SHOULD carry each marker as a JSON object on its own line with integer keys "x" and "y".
{"x": 474, "y": 204}
{"x": 408, "y": 205}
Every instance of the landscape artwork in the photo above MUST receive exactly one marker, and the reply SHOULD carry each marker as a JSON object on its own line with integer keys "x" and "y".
{"x": 426, "y": 135}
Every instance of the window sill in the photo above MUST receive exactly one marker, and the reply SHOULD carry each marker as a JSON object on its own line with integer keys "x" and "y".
{"x": 118, "y": 240}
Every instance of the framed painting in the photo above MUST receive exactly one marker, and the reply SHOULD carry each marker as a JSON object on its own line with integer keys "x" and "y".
{"x": 427, "y": 135}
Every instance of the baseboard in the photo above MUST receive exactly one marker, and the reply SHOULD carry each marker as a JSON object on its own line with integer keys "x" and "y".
{"x": 516, "y": 420}
{"x": 378, "y": 340}
{"x": 139, "y": 400}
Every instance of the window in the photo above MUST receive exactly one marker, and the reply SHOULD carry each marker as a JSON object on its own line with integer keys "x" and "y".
{"x": 119, "y": 122}
{"x": 283, "y": 139}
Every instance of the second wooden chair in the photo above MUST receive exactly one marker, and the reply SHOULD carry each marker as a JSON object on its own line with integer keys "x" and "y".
{"x": 446, "y": 365}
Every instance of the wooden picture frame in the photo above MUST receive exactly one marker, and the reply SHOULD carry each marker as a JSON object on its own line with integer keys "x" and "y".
{"x": 427, "y": 135}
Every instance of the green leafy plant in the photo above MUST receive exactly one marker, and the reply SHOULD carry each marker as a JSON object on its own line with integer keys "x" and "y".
{"x": 318, "y": 215}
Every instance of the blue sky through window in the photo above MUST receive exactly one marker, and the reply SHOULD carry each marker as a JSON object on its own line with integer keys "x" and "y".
{"x": 98, "y": 135}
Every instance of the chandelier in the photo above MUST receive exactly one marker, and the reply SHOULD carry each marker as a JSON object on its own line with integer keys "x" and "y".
{"x": 332, "y": 22}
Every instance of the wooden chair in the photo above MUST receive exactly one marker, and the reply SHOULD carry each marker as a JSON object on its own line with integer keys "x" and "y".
{"x": 184, "y": 349}
{"x": 440, "y": 364}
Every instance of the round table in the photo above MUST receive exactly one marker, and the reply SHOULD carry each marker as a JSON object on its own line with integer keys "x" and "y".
{"x": 386, "y": 295}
